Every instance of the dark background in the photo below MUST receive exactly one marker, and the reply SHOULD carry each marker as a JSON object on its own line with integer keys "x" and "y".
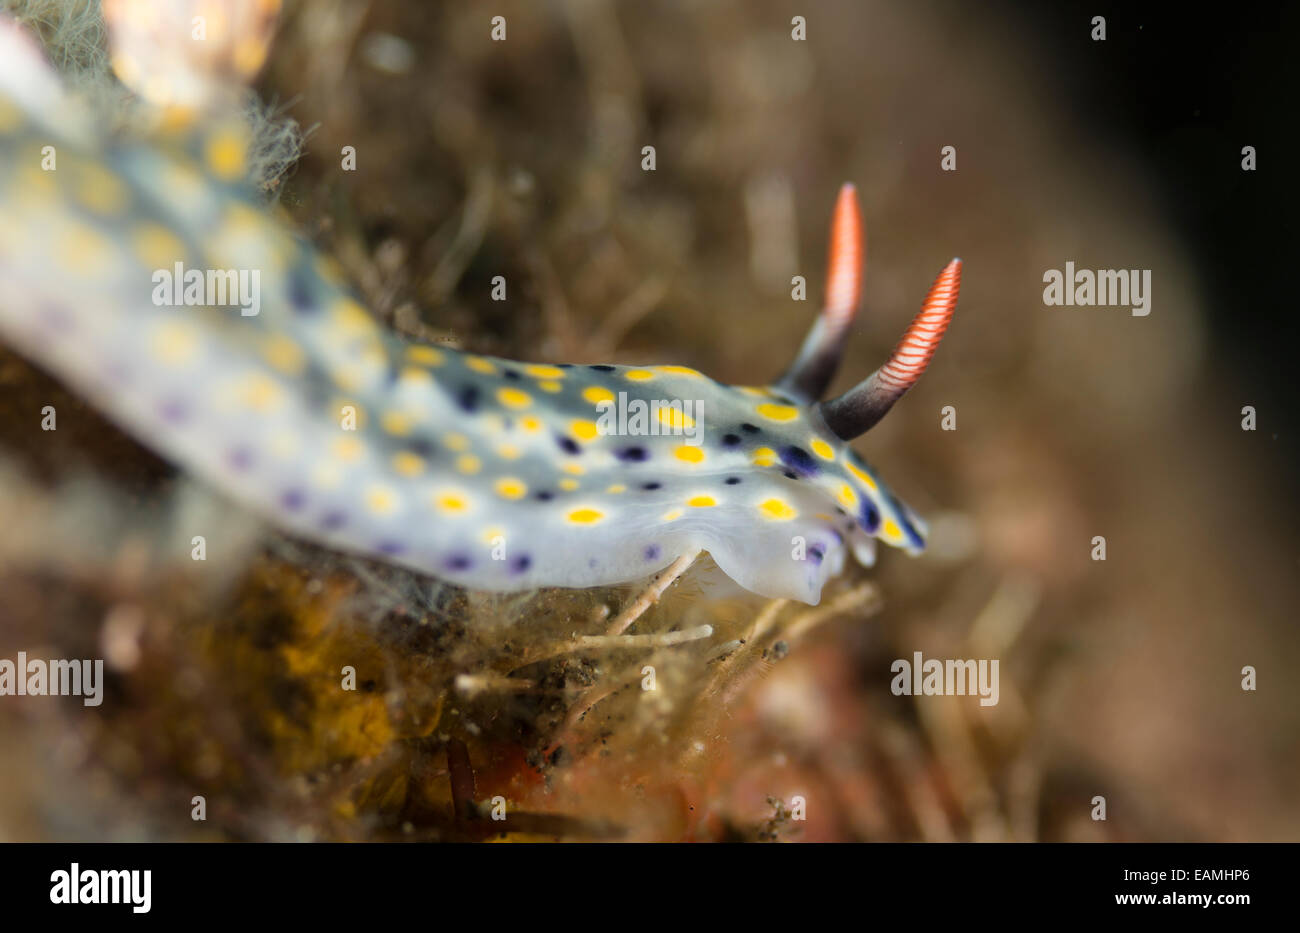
{"x": 1187, "y": 89}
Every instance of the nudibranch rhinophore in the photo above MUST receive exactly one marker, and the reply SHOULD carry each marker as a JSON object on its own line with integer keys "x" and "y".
{"x": 145, "y": 274}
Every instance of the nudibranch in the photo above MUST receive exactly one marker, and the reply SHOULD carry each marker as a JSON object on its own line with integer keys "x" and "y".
{"x": 488, "y": 473}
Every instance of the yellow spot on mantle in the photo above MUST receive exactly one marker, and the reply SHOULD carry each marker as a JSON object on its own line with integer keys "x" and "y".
{"x": 348, "y": 449}
{"x": 866, "y": 479}
{"x": 763, "y": 456}
{"x": 84, "y": 249}
{"x": 639, "y": 375}
{"x": 381, "y": 500}
{"x": 157, "y": 247}
{"x": 701, "y": 502}
{"x": 822, "y": 449}
{"x": 585, "y": 516}
{"x": 891, "y": 530}
{"x": 513, "y": 398}
{"x": 584, "y": 430}
{"x": 777, "y": 510}
{"x": 259, "y": 393}
{"x": 174, "y": 343}
{"x": 284, "y": 354}
{"x": 597, "y": 394}
{"x": 225, "y": 155}
{"x": 425, "y": 356}
{"x": 510, "y": 488}
{"x": 468, "y": 464}
{"x": 774, "y": 412}
{"x": 415, "y": 377}
{"x": 98, "y": 189}
{"x": 480, "y": 365}
{"x": 549, "y": 385}
{"x": 408, "y": 464}
{"x": 450, "y": 502}
{"x": 538, "y": 371}
{"x": 689, "y": 454}
{"x": 674, "y": 418}
{"x": 397, "y": 422}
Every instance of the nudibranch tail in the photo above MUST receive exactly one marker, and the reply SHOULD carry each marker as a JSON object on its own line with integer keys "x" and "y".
{"x": 858, "y": 410}
{"x": 820, "y": 354}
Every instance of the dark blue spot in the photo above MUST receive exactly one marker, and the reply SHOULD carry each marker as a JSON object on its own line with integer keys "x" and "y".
{"x": 799, "y": 460}
{"x": 730, "y": 440}
{"x": 592, "y": 563}
{"x": 510, "y": 374}
{"x": 869, "y": 517}
{"x": 732, "y": 480}
{"x": 650, "y": 487}
{"x": 602, "y": 368}
{"x": 633, "y": 454}
{"x": 520, "y": 563}
{"x": 300, "y": 297}
{"x": 293, "y": 499}
{"x": 564, "y": 365}
{"x": 468, "y": 399}
{"x": 458, "y": 562}
{"x": 652, "y": 552}
{"x": 391, "y": 548}
{"x": 567, "y": 444}
{"x": 544, "y": 496}
{"x": 816, "y": 553}
{"x": 420, "y": 447}
{"x": 749, "y": 428}
{"x": 332, "y": 521}
{"x": 790, "y": 474}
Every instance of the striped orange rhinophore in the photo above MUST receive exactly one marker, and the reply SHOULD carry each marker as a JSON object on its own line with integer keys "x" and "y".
{"x": 914, "y": 351}
{"x": 844, "y": 272}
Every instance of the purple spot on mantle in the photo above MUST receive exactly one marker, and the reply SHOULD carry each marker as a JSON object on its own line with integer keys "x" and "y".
{"x": 241, "y": 458}
{"x": 652, "y": 552}
{"x": 391, "y": 548}
{"x": 174, "y": 411}
{"x": 798, "y": 460}
{"x": 520, "y": 563}
{"x": 293, "y": 499}
{"x": 57, "y": 318}
{"x": 334, "y": 520}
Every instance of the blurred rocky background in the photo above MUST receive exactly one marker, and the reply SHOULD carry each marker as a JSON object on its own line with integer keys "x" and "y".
{"x": 522, "y": 158}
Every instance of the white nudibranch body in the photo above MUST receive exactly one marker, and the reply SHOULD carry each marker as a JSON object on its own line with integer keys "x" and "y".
{"x": 489, "y": 473}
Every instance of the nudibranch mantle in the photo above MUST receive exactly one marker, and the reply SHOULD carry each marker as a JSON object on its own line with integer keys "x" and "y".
{"x": 489, "y": 473}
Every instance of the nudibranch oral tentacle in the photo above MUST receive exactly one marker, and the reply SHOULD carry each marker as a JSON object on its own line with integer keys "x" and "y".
{"x": 489, "y": 473}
